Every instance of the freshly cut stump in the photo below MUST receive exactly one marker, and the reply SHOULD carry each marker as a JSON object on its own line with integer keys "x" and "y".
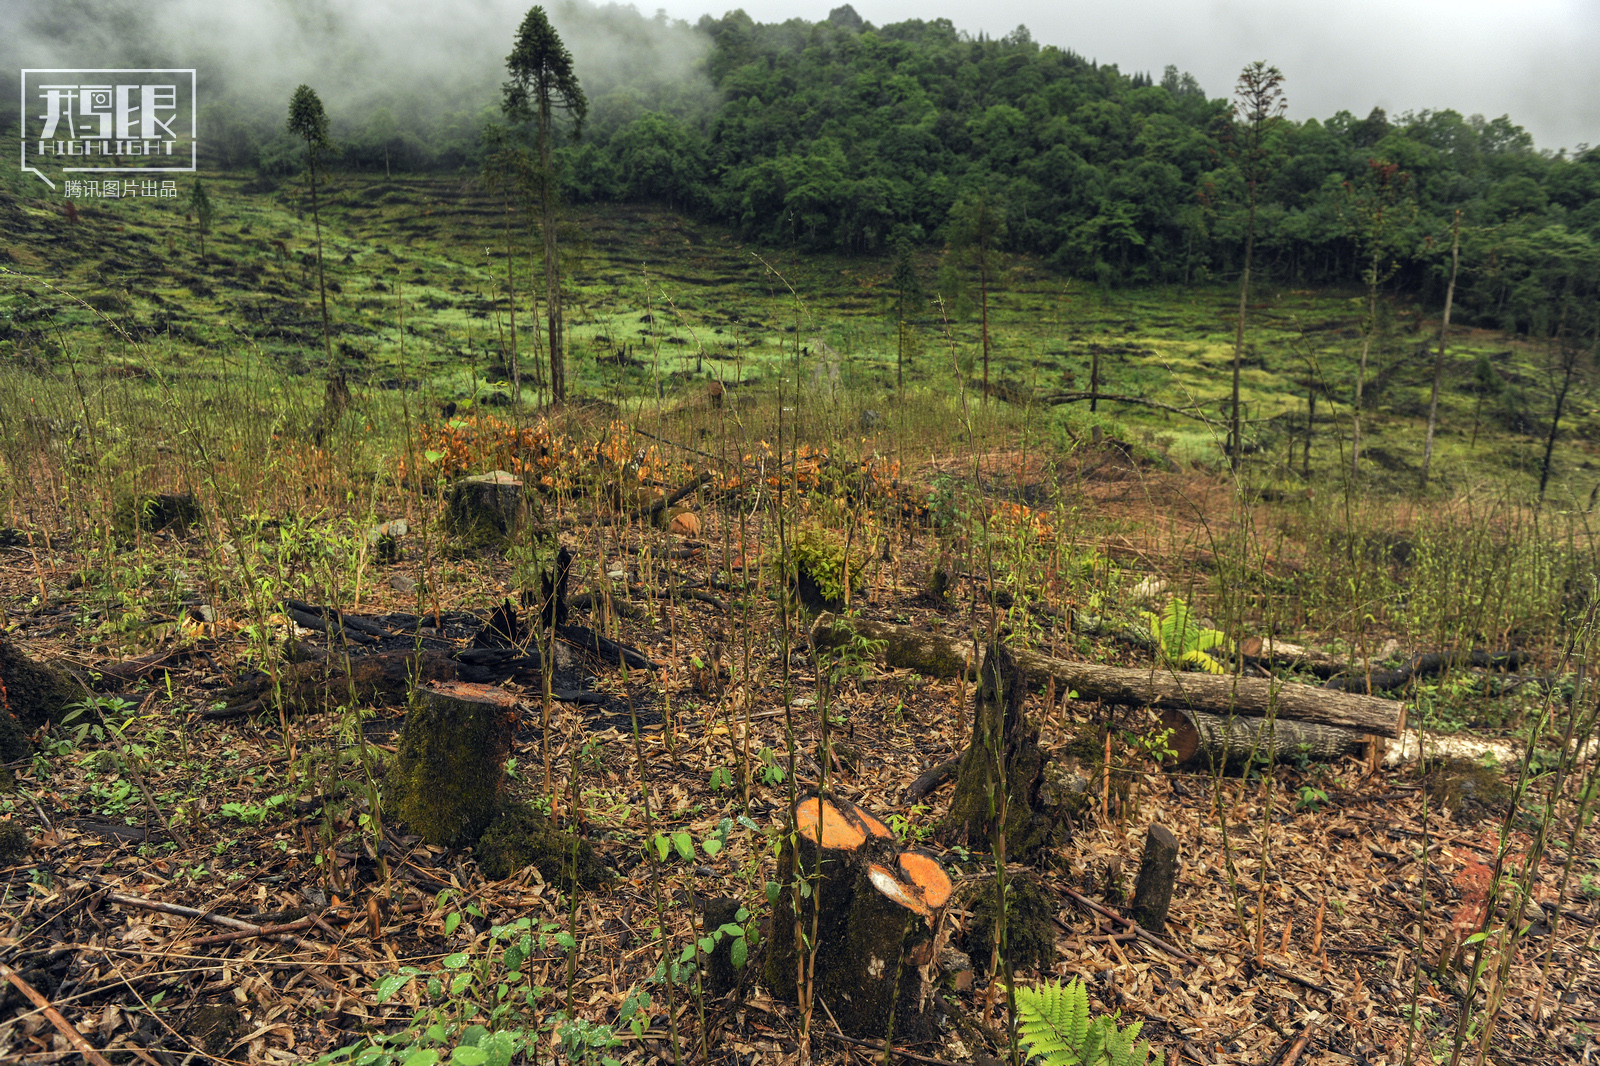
{"x": 447, "y": 777}
{"x": 879, "y": 915}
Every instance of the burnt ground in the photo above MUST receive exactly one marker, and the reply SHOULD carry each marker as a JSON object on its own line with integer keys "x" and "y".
{"x": 1287, "y": 914}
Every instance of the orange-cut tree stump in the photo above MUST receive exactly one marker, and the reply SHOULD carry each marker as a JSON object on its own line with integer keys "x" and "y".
{"x": 446, "y": 779}
{"x": 878, "y": 915}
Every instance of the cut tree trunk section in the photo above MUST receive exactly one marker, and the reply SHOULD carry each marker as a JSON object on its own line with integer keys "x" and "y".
{"x": 1210, "y": 740}
{"x": 939, "y": 655}
{"x": 879, "y": 915}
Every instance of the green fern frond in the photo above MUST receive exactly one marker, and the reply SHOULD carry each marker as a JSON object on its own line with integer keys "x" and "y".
{"x": 1052, "y": 1021}
{"x": 1054, "y": 1027}
{"x": 1202, "y": 661}
{"x": 1180, "y": 639}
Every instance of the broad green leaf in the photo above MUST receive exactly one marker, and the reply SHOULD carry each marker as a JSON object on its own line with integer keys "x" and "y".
{"x": 469, "y": 1055}
{"x": 737, "y": 953}
{"x": 456, "y": 961}
{"x": 683, "y": 843}
{"x": 389, "y": 985}
{"x": 711, "y": 845}
{"x": 451, "y": 921}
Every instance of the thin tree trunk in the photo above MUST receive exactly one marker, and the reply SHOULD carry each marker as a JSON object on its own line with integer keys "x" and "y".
{"x": 322, "y": 288}
{"x": 1444, "y": 332}
{"x": 1569, "y": 359}
{"x": 983, "y": 287}
{"x": 1311, "y": 422}
{"x": 900, "y": 351}
{"x": 1235, "y": 442}
{"x": 1361, "y": 371}
{"x": 511, "y": 298}
{"x": 552, "y": 264}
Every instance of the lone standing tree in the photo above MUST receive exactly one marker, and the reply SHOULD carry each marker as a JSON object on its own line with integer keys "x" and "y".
{"x": 309, "y": 122}
{"x": 1258, "y": 106}
{"x": 204, "y": 212}
{"x": 542, "y": 83}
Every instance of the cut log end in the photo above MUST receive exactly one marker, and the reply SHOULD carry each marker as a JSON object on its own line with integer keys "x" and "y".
{"x": 896, "y": 891}
{"x": 837, "y": 824}
{"x": 922, "y": 870}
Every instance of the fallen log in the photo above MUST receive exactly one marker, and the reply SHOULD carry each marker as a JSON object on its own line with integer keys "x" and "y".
{"x": 1272, "y": 652}
{"x": 942, "y": 655}
{"x": 1201, "y": 739}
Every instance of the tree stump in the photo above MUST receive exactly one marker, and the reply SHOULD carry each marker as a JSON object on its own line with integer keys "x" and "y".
{"x": 31, "y": 694}
{"x": 446, "y": 779}
{"x": 1158, "y": 873}
{"x": 997, "y": 783}
{"x": 490, "y": 506}
{"x": 879, "y": 914}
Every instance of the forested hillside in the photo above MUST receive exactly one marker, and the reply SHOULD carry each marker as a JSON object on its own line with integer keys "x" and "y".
{"x": 843, "y": 136}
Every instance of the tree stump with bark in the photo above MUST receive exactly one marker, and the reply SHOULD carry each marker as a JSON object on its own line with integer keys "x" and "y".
{"x": 1158, "y": 874}
{"x": 31, "y": 694}
{"x": 446, "y": 779}
{"x": 866, "y": 922}
{"x": 995, "y": 802}
{"x": 489, "y": 506}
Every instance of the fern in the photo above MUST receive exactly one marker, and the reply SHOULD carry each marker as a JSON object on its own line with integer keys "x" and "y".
{"x": 1053, "y": 1026}
{"x": 1182, "y": 641}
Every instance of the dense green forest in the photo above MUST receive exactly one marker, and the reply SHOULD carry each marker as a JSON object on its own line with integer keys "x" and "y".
{"x": 842, "y": 136}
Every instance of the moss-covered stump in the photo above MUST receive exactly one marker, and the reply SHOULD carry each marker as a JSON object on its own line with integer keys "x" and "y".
{"x": 929, "y": 654}
{"x": 151, "y": 511}
{"x": 1030, "y": 934}
{"x": 1002, "y": 759}
{"x": 33, "y": 695}
{"x": 879, "y": 920}
{"x": 721, "y": 974}
{"x": 521, "y": 837}
{"x": 13, "y": 843}
{"x": 1469, "y": 790}
{"x": 214, "y": 1027}
{"x": 446, "y": 779}
{"x": 491, "y": 506}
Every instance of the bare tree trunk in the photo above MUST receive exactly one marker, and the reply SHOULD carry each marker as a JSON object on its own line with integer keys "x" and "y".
{"x": 1569, "y": 361}
{"x": 983, "y": 288}
{"x": 1235, "y": 445}
{"x": 322, "y": 287}
{"x": 1361, "y": 374}
{"x": 511, "y": 298}
{"x": 1444, "y": 332}
{"x": 552, "y": 262}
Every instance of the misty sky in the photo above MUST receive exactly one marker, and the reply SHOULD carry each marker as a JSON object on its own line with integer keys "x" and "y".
{"x": 1536, "y": 60}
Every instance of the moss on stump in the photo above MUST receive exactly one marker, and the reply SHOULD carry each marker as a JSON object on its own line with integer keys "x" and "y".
{"x": 34, "y": 694}
{"x": 13, "y": 843}
{"x": 1030, "y": 923}
{"x": 521, "y": 837}
{"x": 447, "y": 777}
{"x": 1003, "y": 756}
